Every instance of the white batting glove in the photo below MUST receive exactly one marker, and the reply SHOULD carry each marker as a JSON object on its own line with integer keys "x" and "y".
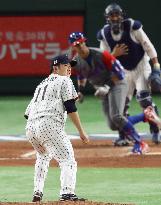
{"x": 102, "y": 91}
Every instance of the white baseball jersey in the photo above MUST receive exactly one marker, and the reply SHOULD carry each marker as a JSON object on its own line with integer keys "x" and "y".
{"x": 45, "y": 131}
{"x": 49, "y": 97}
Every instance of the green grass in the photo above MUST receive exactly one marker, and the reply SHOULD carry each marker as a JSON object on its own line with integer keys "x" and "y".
{"x": 11, "y": 117}
{"x": 140, "y": 186}
{"x": 13, "y": 108}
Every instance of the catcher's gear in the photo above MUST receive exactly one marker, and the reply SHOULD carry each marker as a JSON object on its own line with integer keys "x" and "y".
{"x": 76, "y": 38}
{"x": 144, "y": 98}
{"x": 151, "y": 116}
{"x": 155, "y": 80}
{"x": 156, "y": 138}
{"x": 113, "y": 8}
{"x": 116, "y": 24}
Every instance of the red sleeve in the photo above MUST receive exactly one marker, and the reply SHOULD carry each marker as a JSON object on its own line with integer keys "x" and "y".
{"x": 108, "y": 59}
{"x": 74, "y": 72}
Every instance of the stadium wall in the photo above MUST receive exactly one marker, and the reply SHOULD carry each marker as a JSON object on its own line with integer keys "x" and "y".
{"x": 147, "y": 12}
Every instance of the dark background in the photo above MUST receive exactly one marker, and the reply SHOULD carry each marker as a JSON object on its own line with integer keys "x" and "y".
{"x": 148, "y": 12}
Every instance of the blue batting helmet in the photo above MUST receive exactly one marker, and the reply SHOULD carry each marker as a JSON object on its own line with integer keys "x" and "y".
{"x": 76, "y": 38}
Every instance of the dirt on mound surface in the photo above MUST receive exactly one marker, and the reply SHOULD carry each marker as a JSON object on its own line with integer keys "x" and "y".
{"x": 98, "y": 153}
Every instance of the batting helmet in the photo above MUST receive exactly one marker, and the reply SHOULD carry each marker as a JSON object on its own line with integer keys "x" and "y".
{"x": 155, "y": 80}
{"x": 76, "y": 38}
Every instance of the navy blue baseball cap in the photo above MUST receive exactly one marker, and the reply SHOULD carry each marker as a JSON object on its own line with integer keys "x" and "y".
{"x": 62, "y": 59}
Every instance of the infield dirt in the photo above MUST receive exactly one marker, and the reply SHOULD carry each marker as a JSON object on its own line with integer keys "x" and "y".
{"x": 98, "y": 153}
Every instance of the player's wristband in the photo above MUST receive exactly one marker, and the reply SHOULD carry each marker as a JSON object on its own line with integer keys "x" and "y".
{"x": 156, "y": 66}
{"x": 156, "y": 69}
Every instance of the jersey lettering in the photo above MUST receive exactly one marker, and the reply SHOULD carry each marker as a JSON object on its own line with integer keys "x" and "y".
{"x": 43, "y": 95}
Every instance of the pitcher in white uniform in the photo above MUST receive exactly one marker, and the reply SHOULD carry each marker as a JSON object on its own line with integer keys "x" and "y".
{"x": 53, "y": 98}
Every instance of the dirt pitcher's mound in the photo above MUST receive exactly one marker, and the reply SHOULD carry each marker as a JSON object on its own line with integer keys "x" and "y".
{"x": 98, "y": 153}
{"x": 63, "y": 203}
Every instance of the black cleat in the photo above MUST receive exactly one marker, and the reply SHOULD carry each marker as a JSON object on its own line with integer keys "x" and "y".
{"x": 70, "y": 197}
{"x": 37, "y": 197}
{"x": 121, "y": 142}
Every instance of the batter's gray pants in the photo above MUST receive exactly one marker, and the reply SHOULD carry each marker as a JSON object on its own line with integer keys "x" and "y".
{"x": 113, "y": 105}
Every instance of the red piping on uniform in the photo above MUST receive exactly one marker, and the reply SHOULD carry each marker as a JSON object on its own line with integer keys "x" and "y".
{"x": 108, "y": 59}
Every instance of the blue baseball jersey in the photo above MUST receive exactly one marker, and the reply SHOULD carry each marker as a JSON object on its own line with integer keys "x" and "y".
{"x": 100, "y": 68}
